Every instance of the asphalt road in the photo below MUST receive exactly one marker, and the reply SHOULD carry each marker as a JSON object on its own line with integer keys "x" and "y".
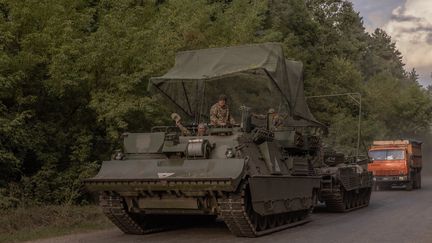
{"x": 392, "y": 216}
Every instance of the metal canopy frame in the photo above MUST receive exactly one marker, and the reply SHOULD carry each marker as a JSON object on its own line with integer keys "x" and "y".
{"x": 358, "y": 101}
{"x": 193, "y": 116}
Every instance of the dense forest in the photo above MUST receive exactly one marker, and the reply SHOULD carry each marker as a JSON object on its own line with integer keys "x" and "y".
{"x": 73, "y": 78}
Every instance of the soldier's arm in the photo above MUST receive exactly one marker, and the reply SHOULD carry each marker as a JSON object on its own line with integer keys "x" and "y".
{"x": 230, "y": 119}
{"x": 184, "y": 130}
{"x": 278, "y": 123}
{"x": 213, "y": 115}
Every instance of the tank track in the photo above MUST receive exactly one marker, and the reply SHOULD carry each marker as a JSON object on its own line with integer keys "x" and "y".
{"x": 113, "y": 207}
{"x": 345, "y": 201}
{"x": 237, "y": 213}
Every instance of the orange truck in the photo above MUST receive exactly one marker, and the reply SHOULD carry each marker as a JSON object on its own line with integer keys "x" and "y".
{"x": 396, "y": 163}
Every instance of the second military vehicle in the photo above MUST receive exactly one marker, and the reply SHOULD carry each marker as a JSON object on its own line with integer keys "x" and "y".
{"x": 259, "y": 175}
{"x": 346, "y": 184}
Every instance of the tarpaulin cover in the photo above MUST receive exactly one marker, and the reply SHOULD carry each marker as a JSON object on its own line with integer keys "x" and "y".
{"x": 257, "y": 70}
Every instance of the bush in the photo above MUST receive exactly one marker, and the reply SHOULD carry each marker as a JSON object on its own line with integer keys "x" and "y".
{"x": 46, "y": 221}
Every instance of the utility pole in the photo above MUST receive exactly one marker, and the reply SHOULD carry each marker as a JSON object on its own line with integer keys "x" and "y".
{"x": 357, "y": 98}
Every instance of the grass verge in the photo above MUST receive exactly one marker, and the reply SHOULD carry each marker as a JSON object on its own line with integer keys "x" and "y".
{"x": 24, "y": 224}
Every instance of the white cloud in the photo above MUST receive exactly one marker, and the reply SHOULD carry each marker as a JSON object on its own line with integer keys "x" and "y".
{"x": 376, "y": 12}
{"x": 411, "y": 27}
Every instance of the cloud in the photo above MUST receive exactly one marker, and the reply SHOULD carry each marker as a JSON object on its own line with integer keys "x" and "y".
{"x": 429, "y": 39}
{"x": 410, "y": 26}
{"x": 399, "y": 15}
{"x": 376, "y": 13}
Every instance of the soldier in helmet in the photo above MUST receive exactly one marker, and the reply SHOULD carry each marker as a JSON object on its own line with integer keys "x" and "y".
{"x": 220, "y": 113}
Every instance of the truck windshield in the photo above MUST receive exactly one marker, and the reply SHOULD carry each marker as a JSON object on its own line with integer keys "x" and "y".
{"x": 387, "y": 154}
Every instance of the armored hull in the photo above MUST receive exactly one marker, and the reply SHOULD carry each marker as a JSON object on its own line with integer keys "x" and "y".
{"x": 257, "y": 175}
{"x": 345, "y": 186}
{"x": 255, "y": 191}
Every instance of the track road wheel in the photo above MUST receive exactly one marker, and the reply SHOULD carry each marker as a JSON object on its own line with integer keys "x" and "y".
{"x": 346, "y": 200}
{"x": 262, "y": 223}
{"x": 238, "y": 214}
{"x": 114, "y": 207}
{"x": 419, "y": 180}
{"x": 409, "y": 185}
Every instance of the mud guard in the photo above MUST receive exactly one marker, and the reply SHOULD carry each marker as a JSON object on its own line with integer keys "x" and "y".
{"x": 162, "y": 174}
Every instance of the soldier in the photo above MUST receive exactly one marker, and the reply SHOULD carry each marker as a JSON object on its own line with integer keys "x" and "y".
{"x": 275, "y": 120}
{"x": 220, "y": 113}
{"x": 202, "y": 129}
{"x": 176, "y": 117}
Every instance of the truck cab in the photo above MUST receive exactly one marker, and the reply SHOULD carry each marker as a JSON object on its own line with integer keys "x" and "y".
{"x": 396, "y": 163}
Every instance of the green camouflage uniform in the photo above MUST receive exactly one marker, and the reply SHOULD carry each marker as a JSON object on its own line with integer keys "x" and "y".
{"x": 220, "y": 115}
{"x": 275, "y": 120}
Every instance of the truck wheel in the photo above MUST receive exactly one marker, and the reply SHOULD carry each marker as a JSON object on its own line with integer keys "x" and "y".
{"x": 414, "y": 177}
{"x": 376, "y": 187}
{"x": 409, "y": 185}
{"x": 419, "y": 180}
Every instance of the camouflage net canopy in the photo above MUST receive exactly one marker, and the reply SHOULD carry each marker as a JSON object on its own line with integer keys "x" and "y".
{"x": 257, "y": 76}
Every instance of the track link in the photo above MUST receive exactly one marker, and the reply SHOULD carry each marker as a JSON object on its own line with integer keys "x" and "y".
{"x": 239, "y": 217}
{"x": 113, "y": 207}
{"x": 345, "y": 201}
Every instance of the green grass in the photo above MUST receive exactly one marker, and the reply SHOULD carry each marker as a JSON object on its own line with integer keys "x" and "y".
{"x": 33, "y": 223}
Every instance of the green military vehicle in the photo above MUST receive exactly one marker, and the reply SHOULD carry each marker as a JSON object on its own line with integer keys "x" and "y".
{"x": 256, "y": 177}
{"x": 346, "y": 184}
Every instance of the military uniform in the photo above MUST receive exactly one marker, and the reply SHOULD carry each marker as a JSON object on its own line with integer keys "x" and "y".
{"x": 184, "y": 131}
{"x": 220, "y": 115}
{"x": 275, "y": 120}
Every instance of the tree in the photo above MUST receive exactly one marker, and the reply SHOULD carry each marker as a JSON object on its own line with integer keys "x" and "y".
{"x": 413, "y": 76}
{"x": 382, "y": 56}
{"x": 74, "y": 76}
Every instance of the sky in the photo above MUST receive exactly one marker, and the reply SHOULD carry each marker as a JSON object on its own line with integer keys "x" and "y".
{"x": 409, "y": 23}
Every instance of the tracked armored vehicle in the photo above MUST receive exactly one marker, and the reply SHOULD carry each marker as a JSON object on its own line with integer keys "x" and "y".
{"x": 346, "y": 184}
{"x": 255, "y": 176}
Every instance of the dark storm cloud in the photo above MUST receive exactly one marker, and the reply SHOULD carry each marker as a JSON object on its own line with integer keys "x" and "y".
{"x": 415, "y": 29}
{"x": 429, "y": 38}
{"x": 400, "y": 15}
{"x": 405, "y": 18}
{"x": 417, "y": 24}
